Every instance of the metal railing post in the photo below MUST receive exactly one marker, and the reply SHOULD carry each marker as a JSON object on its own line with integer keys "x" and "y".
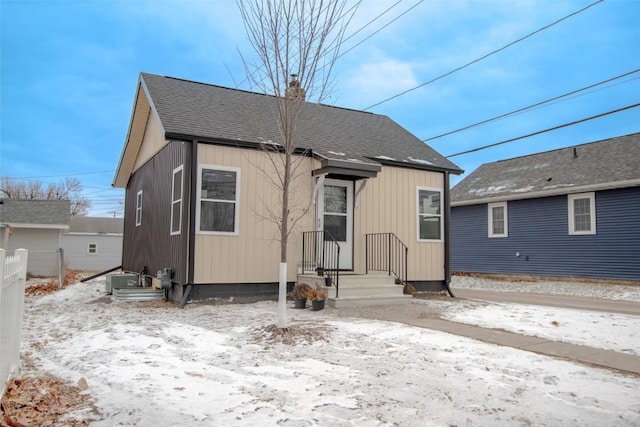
{"x": 406, "y": 264}
{"x": 389, "y": 253}
{"x": 338, "y": 271}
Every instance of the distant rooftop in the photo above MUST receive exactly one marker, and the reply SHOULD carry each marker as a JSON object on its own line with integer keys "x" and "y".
{"x": 44, "y": 213}
{"x": 610, "y": 163}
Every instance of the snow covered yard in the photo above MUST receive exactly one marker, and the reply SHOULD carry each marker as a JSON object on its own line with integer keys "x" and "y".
{"x": 151, "y": 364}
{"x": 590, "y": 288}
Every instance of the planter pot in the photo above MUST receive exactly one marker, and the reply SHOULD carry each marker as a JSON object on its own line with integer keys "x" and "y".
{"x": 300, "y": 303}
{"x": 317, "y": 305}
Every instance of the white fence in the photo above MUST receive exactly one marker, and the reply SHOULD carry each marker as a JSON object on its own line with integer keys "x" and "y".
{"x": 13, "y": 271}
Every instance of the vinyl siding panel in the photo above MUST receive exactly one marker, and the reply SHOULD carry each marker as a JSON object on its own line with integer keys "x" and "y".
{"x": 151, "y": 243}
{"x": 253, "y": 255}
{"x": 42, "y": 244}
{"x": 388, "y": 203}
{"x": 109, "y": 251}
{"x": 152, "y": 142}
{"x": 538, "y": 231}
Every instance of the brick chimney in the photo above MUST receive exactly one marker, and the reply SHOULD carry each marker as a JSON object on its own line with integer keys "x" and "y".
{"x": 294, "y": 91}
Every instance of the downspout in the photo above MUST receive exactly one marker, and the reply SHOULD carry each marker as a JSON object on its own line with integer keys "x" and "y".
{"x": 447, "y": 235}
{"x": 192, "y": 156}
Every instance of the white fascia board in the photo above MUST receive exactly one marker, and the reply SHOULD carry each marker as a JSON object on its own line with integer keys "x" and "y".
{"x": 553, "y": 192}
{"x": 78, "y": 233}
{"x": 48, "y": 226}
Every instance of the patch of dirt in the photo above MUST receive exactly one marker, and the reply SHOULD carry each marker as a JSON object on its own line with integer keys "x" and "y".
{"x": 49, "y": 286}
{"x": 303, "y": 333}
{"x": 46, "y": 401}
{"x": 530, "y": 278}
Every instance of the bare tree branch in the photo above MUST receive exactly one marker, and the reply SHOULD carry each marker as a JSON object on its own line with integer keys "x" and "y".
{"x": 69, "y": 189}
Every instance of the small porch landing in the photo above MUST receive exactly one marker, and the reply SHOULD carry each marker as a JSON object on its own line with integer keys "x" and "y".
{"x": 360, "y": 290}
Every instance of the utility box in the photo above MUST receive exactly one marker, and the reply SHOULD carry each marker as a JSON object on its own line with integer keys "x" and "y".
{"x": 121, "y": 281}
{"x": 162, "y": 279}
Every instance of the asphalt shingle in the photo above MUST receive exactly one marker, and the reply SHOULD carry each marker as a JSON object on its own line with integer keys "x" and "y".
{"x": 208, "y": 111}
{"x": 610, "y": 161}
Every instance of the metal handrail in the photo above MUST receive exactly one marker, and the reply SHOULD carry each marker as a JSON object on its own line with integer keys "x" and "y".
{"x": 321, "y": 254}
{"x": 386, "y": 252}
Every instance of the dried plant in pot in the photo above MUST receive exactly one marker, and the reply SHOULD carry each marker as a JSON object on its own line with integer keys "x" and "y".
{"x": 300, "y": 293}
{"x": 319, "y": 294}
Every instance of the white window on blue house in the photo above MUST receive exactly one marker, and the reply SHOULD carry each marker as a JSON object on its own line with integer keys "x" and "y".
{"x": 92, "y": 249}
{"x": 176, "y": 201}
{"x": 582, "y": 213}
{"x": 139, "y": 208}
{"x": 429, "y": 214}
{"x": 218, "y": 200}
{"x": 498, "y": 220}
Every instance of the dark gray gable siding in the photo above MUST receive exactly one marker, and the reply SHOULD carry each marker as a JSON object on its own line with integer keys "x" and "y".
{"x": 538, "y": 230}
{"x": 151, "y": 244}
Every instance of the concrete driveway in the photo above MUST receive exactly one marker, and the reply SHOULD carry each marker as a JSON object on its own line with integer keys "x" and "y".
{"x": 563, "y": 301}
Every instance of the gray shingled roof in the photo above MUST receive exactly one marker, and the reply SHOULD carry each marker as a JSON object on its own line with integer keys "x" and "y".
{"x": 611, "y": 163}
{"x": 43, "y": 212}
{"x": 99, "y": 225}
{"x": 201, "y": 110}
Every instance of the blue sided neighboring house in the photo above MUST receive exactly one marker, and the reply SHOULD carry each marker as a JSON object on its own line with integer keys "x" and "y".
{"x": 572, "y": 212}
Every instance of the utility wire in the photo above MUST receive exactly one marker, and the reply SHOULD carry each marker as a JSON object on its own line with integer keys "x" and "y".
{"x": 531, "y": 106}
{"x": 484, "y": 147}
{"x": 357, "y": 31}
{"x": 485, "y": 56}
{"x": 381, "y": 28}
{"x": 372, "y": 21}
{"x": 59, "y": 176}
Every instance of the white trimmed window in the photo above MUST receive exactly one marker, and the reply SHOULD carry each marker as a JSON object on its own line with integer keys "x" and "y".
{"x": 176, "y": 201}
{"x": 498, "y": 220}
{"x": 218, "y": 197}
{"x": 92, "y": 249}
{"x": 582, "y": 213}
{"x": 139, "y": 208}
{"x": 429, "y": 214}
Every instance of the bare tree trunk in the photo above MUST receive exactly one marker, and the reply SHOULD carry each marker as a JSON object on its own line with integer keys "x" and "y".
{"x": 291, "y": 38}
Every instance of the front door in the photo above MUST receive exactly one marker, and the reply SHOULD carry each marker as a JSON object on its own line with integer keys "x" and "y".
{"x": 335, "y": 217}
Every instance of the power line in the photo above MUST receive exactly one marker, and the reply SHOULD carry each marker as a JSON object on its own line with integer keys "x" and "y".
{"x": 484, "y": 147}
{"x": 355, "y": 32}
{"x": 59, "y": 176}
{"x": 485, "y": 56}
{"x": 381, "y": 28}
{"x": 372, "y": 21}
{"x": 531, "y": 106}
{"x": 352, "y": 8}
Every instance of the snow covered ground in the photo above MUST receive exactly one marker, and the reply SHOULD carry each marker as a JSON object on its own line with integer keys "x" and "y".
{"x": 592, "y": 288}
{"x": 152, "y": 364}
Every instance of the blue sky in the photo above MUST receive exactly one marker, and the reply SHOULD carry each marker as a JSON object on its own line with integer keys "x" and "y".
{"x": 69, "y": 71}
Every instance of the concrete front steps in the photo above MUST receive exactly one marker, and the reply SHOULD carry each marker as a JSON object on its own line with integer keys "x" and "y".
{"x": 361, "y": 290}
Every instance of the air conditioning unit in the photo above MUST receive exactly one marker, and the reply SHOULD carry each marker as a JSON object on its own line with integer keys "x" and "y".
{"x": 121, "y": 281}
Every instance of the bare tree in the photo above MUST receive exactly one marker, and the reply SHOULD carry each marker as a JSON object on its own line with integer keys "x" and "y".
{"x": 297, "y": 40}
{"x": 69, "y": 189}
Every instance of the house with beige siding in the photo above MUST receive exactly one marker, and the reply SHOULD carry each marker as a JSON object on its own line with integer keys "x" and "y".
{"x": 370, "y": 199}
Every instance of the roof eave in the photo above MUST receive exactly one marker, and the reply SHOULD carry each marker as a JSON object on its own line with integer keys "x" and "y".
{"x": 549, "y": 193}
{"x": 39, "y": 226}
{"x": 142, "y": 107}
{"x": 353, "y": 169}
{"x": 411, "y": 165}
